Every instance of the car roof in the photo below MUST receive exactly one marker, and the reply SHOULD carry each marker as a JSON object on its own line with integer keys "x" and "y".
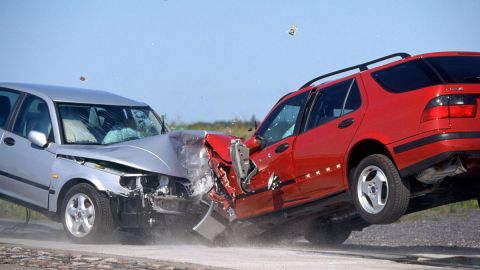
{"x": 383, "y": 65}
{"x": 373, "y": 69}
{"x": 72, "y": 94}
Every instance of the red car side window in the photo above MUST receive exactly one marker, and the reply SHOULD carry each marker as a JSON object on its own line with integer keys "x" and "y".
{"x": 283, "y": 121}
{"x": 333, "y": 102}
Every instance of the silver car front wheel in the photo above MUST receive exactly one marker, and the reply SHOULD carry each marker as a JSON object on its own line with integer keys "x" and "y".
{"x": 80, "y": 215}
{"x": 87, "y": 216}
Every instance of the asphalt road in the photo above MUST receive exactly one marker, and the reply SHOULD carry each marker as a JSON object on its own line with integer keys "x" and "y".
{"x": 448, "y": 241}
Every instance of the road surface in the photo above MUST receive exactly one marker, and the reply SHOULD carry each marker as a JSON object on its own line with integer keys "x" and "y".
{"x": 360, "y": 252}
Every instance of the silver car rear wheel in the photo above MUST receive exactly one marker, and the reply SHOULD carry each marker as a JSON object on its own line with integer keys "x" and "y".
{"x": 80, "y": 215}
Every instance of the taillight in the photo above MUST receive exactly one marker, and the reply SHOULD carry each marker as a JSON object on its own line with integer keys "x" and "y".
{"x": 453, "y": 106}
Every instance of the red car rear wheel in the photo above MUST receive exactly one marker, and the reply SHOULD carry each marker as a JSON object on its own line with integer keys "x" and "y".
{"x": 380, "y": 195}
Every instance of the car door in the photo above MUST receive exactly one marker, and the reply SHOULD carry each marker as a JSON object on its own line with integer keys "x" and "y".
{"x": 26, "y": 167}
{"x": 278, "y": 133}
{"x": 8, "y": 102}
{"x": 329, "y": 127}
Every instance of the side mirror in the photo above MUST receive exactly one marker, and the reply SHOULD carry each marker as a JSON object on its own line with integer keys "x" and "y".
{"x": 38, "y": 138}
{"x": 254, "y": 144}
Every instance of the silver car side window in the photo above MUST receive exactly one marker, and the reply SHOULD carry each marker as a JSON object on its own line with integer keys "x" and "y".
{"x": 34, "y": 115}
{"x": 7, "y": 102}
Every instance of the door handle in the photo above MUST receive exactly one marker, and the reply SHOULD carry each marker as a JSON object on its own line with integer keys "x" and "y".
{"x": 9, "y": 141}
{"x": 345, "y": 123}
{"x": 281, "y": 148}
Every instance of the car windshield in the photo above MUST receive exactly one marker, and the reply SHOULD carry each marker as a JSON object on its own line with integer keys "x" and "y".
{"x": 107, "y": 124}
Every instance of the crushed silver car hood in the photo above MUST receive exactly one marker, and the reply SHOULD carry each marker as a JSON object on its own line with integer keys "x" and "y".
{"x": 172, "y": 154}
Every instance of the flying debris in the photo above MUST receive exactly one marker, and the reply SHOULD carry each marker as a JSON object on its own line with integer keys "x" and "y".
{"x": 293, "y": 30}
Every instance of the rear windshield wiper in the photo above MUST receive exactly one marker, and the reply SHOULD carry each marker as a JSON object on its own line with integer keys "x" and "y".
{"x": 473, "y": 79}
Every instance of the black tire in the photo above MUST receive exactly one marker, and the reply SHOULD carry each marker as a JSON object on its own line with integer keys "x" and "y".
{"x": 103, "y": 224}
{"x": 327, "y": 234}
{"x": 398, "y": 192}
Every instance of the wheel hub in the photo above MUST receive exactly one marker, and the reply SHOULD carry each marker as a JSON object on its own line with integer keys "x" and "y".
{"x": 79, "y": 215}
{"x": 372, "y": 189}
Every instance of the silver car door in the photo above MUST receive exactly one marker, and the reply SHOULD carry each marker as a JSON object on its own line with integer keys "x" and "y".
{"x": 26, "y": 166}
{"x": 8, "y": 100}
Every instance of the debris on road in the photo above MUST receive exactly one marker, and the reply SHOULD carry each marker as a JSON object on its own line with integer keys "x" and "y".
{"x": 45, "y": 259}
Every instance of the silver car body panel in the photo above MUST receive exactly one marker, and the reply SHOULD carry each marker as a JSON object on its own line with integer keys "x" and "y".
{"x": 153, "y": 154}
{"x": 31, "y": 168}
{"x": 163, "y": 154}
{"x": 70, "y": 170}
{"x": 178, "y": 154}
{"x": 72, "y": 94}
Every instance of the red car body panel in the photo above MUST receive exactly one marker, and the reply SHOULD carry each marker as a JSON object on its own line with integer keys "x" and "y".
{"x": 220, "y": 143}
{"x": 315, "y": 163}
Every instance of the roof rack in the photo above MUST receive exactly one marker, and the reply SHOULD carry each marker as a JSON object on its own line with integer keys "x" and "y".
{"x": 361, "y": 67}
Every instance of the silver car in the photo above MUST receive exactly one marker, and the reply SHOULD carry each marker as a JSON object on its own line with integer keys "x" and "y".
{"x": 96, "y": 161}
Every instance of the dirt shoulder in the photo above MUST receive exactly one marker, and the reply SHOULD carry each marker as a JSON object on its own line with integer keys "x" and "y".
{"x": 24, "y": 258}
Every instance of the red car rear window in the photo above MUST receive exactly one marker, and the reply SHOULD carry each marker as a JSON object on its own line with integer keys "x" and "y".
{"x": 419, "y": 73}
{"x": 457, "y": 69}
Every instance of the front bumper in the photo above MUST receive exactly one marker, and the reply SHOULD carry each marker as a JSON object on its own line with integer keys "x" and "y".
{"x": 130, "y": 213}
{"x": 133, "y": 212}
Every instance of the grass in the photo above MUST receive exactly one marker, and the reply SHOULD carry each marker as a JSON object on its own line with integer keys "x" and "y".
{"x": 242, "y": 129}
{"x": 14, "y": 211}
{"x": 443, "y": 210}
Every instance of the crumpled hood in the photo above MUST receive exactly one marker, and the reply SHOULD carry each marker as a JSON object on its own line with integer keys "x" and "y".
{"x": 159, "y": 154}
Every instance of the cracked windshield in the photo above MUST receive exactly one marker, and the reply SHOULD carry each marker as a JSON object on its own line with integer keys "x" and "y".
{"x": 102, "y": 124}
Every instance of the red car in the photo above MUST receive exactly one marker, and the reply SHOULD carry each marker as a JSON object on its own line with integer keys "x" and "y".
{"x": 363, "y": 149}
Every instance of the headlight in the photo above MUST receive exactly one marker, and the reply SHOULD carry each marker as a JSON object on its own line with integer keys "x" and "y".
{"x": 152, "y": 182}
{"x": 129, "y": 182}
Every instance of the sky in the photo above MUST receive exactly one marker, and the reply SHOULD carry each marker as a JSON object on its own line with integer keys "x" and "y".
{"x": 217, "y": 60}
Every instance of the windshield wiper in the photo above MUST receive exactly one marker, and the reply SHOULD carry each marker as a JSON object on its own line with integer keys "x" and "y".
{"x": 86, "y": 143}
{"x": 473, "y": 79}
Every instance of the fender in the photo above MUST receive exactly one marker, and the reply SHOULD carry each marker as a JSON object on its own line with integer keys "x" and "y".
{"x": 67, "y": 170}
{"x": 369, "y": 137}
{"x": 220, "y": 144}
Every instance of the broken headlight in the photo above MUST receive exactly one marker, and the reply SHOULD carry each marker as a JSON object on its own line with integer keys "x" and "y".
{"x": 157, "y": 184}
{"x": 129, "y": 182}
{"x": 153, "y": 181}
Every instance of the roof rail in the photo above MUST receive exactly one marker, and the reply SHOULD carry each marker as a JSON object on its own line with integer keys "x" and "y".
{"x": 361, "y": 67}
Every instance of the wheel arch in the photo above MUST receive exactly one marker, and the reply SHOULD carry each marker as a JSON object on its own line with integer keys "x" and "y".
{"x": 66, "y": 187}
{"x": 363, "y": 149}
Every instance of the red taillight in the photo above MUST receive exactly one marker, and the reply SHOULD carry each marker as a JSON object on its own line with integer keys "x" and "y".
{"x": 435, "y": 113}
{"x": 463, "y": 111}
{"x": 453, "y": 106}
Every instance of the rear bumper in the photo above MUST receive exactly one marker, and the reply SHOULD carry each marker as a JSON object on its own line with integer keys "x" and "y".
{"x": 431, "y": 161}
{"x": 441, "y": 137}
{"x": 419, "y": 153}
